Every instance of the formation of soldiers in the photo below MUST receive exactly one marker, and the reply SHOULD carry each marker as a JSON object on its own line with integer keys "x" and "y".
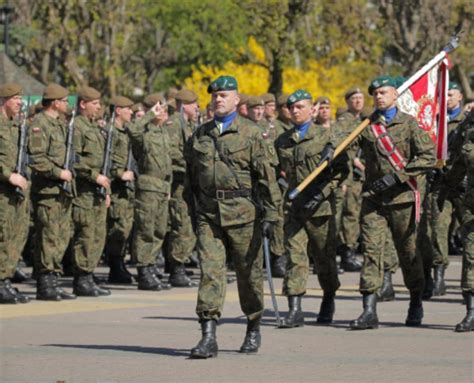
{"x": 140, "y": 178}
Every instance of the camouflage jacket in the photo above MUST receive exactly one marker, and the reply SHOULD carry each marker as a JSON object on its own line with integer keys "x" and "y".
{"x": 120, "y": 153}
{"x": 9, "y": 135}
{"x": 416, "y": 147}
{"x": 245, "y": 168}
{"x": 179, "y": 132}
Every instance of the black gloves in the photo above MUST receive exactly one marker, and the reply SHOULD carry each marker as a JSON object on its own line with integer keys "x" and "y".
{"x": 308, "y": 201}
{"x": 327, "y": 154}
{"x": 314, "y": 201}
{"x": 267, "y": 229}
{"x": 384, "y": 183}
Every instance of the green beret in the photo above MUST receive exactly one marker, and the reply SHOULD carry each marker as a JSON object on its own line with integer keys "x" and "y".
{"x": 323, "y": 100}
{"x": 55, "y": 92}
{"x": 88, "y": 93}
{"x": 299, "y": 95}
{"x": 352, "y": 91}
{"x": 399, "y": 80}
{"x": 255, "y": 101}
{"x": 121, "y": 102}
{"x": 282, "y": 99}
{"x": 10, "y": 90}
{"x": 186, "y": 96}
{"x": 243, "y": 98}
{"x": 223, "y": 83}
{"x": 382, "y": 81}
{"x": 152, "y": 99}
{"x": 454, "y": 85}
{"x": 268, "y": 97}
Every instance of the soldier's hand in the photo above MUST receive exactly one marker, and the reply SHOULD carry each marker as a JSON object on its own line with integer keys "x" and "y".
{"x": 384, "y": 183}
{"x": 358, "y": 164}
{"x": 107, "y": 201}
{"x": 103, "y": 181}
{"x": 65, "y": 175}
{"x": 315, "y": 112}
{"x": 128, "y": 175}
{"x": 327, "y": 154}
{"x": 18, "y": 180}
{"x": 157, "y": 109}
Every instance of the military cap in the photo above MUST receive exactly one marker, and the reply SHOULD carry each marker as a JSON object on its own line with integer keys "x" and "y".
{"x": 255, "y": 101}
{"x": 298, "y": 95}
{"x": 352, "y": 91}
{"x": 54, "y": 92}
{"x": 186, "y": 96}
{"x": 137, "y": 107}
{"x": 152, "y": 99}
{"x": 454, "y": 85}
{"x": 121, "y": 102}
{"x": 88, "y": 93}
{"x": 282, "y": 99}
{"x": 268, "y": 97}
{"x": 323, "y": 100}
{"x": 243, "y": 98}
{"x": 223, "y": 83}
{"x": 382, "y": 81}
{"x": 10, "y": 90}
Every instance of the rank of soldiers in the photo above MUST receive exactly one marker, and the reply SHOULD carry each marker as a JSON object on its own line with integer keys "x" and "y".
{"x": 153, "y": 177}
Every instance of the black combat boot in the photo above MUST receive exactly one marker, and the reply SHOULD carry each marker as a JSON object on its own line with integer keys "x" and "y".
{"x": 101, "y": 291}
{"x": 118, "y": 272}
{"x": 45, "y": 289}
{"x": 62, "y": 293}
{"x": 368, "y": 319}
{"x": 467, "y": 323}
{"x": 349, "y": 262}
{"x": 415, "y": 310}
{"x": 6, "y": 296}
{"x": 429, "y": 285}
{"x": 20, "y": 276}
{"x": 439, "y": 284}
{"x": 207, "y": 346}
{"x": 20, "y": 297}
{"x": 253, "y": 339}
{"x": 278, "y": 265}
{"x": 327, "y": 308}
{"x": 386, "y": 292}
{"x": 295, "y": 316}
{"x": 83, "y": 285}
{"x": 147, "y": 280}
{"x": 178, "y": 277}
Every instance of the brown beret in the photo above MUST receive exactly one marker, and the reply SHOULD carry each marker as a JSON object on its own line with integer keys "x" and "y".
{"x": 352, "y": 91}
{"x": 121, "y": 102}
{"x": 255, "y": 101}
{"x": 282, "y": 99}
{"x": 10, "y": 90}
{"x": 152, "y": 99}
{"x": 186, "y": 96}
{"x": 54, "y": 92}
{"x": 268, "y": 97}
{"x": 137, "y": 107}
{"x": 323, "y": 100}
{"x": 243, "y": 98}
{"x": 88, "y": 93}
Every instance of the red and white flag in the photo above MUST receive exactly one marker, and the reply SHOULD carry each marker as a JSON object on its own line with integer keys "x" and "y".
{"x": 425, "y": 99}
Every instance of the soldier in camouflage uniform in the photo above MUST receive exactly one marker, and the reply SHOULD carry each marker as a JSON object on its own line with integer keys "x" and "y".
{"x": 89, "y": 210}
{"x": 242, "y": 107}
{"x": 310, "y": 224}
{"x": 230, "y": 174}
{"x": 181, "y": 238}
{"x": 151, "y": 149}
{"x": 120, "y": 212}
{"x": 14, "y": 213}
{"x": 256, "y": 110}
{"x": 389, "y": 202}
{"x": 52, "y": 203}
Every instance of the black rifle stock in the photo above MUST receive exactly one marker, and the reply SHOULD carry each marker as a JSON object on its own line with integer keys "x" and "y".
{"x": 70, "y": 154}
{"x": 107, "y": 162}
{"x": 22, "y": 156}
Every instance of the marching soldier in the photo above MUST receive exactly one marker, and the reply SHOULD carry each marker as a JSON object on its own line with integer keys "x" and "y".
{"x": 397, "y": 152}
{"x": 14, "y": 206}
{"x": 52, "y": 203}
{"x": 242, "y": 107}
{"x": 230, "y": 175}
{"x": 256, "y": 110}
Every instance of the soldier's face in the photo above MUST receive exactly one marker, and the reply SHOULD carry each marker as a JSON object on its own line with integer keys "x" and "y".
{"x": 191, "y": 111}
{"x": 385, "y": 97}
{"x": 454, "y": 98}
{"x": 285, "y": 112}
{"x": 355, "y": 103}
{"x": 256, "y": 113}
{"x": 61, "y": 105}
{"x": 324, "y": 114}
{"x": 224, "y": 102}
{"x": 301, "y": 112}
{"x": 270, "y": 108}
{"x": 125, "y": 114}
{"x": 12, "y": 106}
{"x": 139, "y": 114}
{"x": 243, "y": 110}
{"x": 90, "y": 109}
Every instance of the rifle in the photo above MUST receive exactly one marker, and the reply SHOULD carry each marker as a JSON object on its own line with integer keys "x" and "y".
{"x": 22, "y": 156}
{"x": 107, "y": 162}
{"x": 70, "y": 153}
{"x": 131, "y": 166}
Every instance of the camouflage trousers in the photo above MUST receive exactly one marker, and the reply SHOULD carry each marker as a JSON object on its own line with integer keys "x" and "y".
{"x": 181, "y": 237}
{"x": 52, "y": 232}
{"x": 14, "y": 223}
{"x": 151, "y": 225}
{"x": 242, "y": 243}
{"x": 467, "y": 277}
{"x": 350, "y": 215}
{"x": 376, "y": 222}
{"x": 390, "y": 258}
{"x": 277, "y": 242}
{"x": 339, "y": 199}
{"x": 119, "y": 225}
{"x": 314, "y": 237}
{"x": 90, "y": 226}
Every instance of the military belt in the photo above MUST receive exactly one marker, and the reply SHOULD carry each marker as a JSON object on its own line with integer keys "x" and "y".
{"x": 230, "y": 194}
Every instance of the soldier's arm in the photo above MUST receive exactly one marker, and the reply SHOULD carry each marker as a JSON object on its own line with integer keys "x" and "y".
{"x": 81, "y": 167}
{"x": 38, "y": 144}
{"x": 119, "y": 161}
{"x": 5, "y": 170}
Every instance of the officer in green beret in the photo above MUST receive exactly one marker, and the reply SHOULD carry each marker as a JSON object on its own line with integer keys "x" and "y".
{"x": 89, "y": 210}
{"x": 52, "y": 204}
{"x": 391, "y": 199}
{"x": 230, "y": 175}
{"x": 310, "y": 223}
{"x": 14, "y": 212}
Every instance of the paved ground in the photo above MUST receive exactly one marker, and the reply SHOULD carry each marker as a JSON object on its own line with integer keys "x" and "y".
{"x": 146, "y": 337}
